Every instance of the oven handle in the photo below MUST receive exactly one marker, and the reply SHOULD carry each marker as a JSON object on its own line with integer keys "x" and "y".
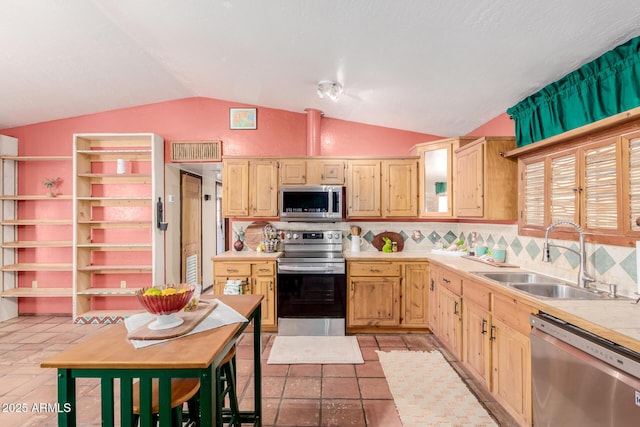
{"x": 306, "y": 269}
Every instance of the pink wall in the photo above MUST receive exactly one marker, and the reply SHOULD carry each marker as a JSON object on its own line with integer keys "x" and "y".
{"x": 499, "y": 126}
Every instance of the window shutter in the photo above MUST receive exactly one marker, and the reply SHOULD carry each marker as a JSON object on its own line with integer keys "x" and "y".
{"x": 601, "y": 187}
{"x": 563, "y": 188}
{"x": 634, "y": 184}
{"x": 534, "y": 194}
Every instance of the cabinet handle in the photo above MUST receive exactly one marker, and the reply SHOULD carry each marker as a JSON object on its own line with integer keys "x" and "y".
{"x": 484, "y": 327}
{"x": 455, "y": 307}
{"x": 432, "y": 285}
{"x": 270, "y": 286}
{"x": 374, "y": 270}
{"x": 492, "y": 336}
{"x": 264, "y": 270}
{"x": 232, "y": 270}
{"x": 445, "y": 280}
{"x": 351, "y": 286}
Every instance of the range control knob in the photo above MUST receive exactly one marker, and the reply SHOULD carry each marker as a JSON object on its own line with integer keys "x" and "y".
{"x": 288, "y": 236}
{"x": 295, "y": 236}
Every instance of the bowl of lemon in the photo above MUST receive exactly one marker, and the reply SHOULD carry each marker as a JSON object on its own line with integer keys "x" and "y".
{"x": 165, "y": 301}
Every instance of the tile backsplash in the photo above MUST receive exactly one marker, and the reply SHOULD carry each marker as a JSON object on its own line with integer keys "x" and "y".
{"x": 608, "y": 264}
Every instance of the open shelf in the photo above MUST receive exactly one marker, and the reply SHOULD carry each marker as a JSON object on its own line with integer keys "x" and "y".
{"x": 39, "y": 244}
{"x": 37, "y": 292}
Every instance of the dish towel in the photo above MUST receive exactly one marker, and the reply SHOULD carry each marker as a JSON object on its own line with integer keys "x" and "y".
{"x": 221, "y": 316}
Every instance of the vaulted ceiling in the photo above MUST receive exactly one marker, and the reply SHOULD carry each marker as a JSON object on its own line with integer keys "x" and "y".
{"x": 438, "y": 67}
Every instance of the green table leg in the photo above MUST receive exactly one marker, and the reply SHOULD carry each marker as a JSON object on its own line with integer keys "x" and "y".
{"x": 106, "y": 386}
{"x": 207, "y": 397}
{"x": 66, "y": 398}
{"x": 257, "y": 365}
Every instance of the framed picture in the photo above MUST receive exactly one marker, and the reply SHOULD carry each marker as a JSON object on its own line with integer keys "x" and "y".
{"x": 243, "y": 118}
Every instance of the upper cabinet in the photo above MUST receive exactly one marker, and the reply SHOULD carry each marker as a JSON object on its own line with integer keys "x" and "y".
{"x": 312, "y": 171}
{"x": 436, "y": 172}
{"x": 382, "y": 188}
{"x": 485, "y": 182}
{"x": 250, "y": 188}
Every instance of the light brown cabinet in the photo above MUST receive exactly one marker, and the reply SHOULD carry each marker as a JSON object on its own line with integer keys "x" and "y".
{"x": 382, "y": 188}
{"x": 449, "y": 319}
{"x": 485, "y": 182}
{"x": 312, "y": 172}
{"x": 476, "y": 331}
{"x": 250, "y": 188}
{"x": 387, "y": 295}
{"x": 259, "y": 277}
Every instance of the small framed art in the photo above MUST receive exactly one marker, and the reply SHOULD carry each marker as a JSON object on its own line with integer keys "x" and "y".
{"x": 243, "y": 118}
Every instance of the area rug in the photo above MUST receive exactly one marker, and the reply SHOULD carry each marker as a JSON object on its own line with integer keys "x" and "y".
{"x": 294, "y": 350}
{"x": 428, "y": 392}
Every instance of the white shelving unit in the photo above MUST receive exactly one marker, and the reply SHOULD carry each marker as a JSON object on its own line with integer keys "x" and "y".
{"x": 117, "y": 246}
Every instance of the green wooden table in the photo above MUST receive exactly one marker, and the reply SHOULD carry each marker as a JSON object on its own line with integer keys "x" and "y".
{"x": 109, "y": 356}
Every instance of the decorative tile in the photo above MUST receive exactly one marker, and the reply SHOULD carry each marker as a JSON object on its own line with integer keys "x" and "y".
{"x": 450, "y": 237}
{"x": 434, "y": 237}
{"x": 368, "y": 236}
{"x": 533, "y": 249}
{"x": 490, "y": 242}
{"x": 502, "y": 243}
{"x": 404, "y": 235}
{"x": 516, "y": 246}
{"x": 417, "y": 236}
{"x": 601, "y": 260}
{"x": 480, "y": 239}
{"x": 629, "y": 266}
{"x": 572, "y": 258}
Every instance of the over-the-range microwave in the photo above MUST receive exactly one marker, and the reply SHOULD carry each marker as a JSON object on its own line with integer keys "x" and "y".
{"x": 311, "y": 203}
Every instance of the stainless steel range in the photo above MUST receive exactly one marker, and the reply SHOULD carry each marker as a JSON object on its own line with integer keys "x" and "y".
{"x": 312, "y": 286}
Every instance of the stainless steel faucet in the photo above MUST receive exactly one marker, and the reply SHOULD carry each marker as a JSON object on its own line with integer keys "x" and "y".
{"x": 583, "y": 277}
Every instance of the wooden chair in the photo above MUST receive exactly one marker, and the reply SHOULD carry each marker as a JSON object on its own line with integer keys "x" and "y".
{"x": 226, "y": 388}
{"x": 182, "y": 390}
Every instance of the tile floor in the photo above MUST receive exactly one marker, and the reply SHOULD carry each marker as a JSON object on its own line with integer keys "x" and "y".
{"x": 293, "y": 395}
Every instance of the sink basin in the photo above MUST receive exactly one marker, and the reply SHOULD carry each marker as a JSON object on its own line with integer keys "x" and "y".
{"x": 518, "y": 277}
{"x": 555, "y": 291}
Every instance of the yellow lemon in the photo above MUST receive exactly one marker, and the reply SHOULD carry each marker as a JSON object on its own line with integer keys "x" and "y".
{"x": 152, "y": 291}
{"x": 169, "y": 291}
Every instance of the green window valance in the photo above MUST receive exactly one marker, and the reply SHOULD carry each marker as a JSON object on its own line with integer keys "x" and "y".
{"x": 601, "y": 88}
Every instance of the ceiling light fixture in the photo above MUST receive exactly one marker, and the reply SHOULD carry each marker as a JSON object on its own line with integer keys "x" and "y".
{"x": 329, "y": 89}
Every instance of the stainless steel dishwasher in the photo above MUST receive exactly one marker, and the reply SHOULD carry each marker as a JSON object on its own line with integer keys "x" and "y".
{"x": 580, "y": 379}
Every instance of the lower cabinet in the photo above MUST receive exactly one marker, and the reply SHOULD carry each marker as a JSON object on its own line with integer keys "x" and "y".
{"x": 259, "y": 278}
{"x": 387, "y": 295}
{"x": 489, "y": 333}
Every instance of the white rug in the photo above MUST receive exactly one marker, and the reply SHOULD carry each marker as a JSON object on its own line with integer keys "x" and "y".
{"x": 288, "y": 350}
{"x": 428, "y": 392}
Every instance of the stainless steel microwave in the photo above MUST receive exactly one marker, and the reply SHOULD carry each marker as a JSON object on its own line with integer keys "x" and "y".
{"x": 311, "y": 203}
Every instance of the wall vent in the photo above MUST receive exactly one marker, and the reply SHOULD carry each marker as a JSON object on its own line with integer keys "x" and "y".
{"x": 196, "y": 151}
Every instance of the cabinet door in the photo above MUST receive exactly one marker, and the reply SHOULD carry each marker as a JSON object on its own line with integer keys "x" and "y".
{"x": 374, "y": 301}
{"x": 475, "y": 338}
{"x": 450, "y": 321}
{"x": 415, "y": 297}
{"x": 293, "y": 172}
{"x": 363, "y": 188}
{"x": 267, "y": 286}
{"x": 601, "y": 204}
{"x": 532, "y": 194}
{"x": 564, "y": 188}
{"x": 263, "y": 187}
{"x": 400, "y": 188}
{"x": 511, "y": 370}
{"x": 433, "y": 304}
{"x": 435, "y": 193}
{"x": 331, "y": 172}
{"x": 235, "y": 188}
{"x": 469, "y": 183}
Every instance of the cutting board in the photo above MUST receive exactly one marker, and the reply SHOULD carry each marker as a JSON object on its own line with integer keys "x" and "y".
{"x": 253, "y": 234}
{"x": 378, "y": 243}
{"x": 191, "y": 320}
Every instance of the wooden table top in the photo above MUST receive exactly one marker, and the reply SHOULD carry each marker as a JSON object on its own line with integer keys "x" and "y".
{"x": 111, "y": 349}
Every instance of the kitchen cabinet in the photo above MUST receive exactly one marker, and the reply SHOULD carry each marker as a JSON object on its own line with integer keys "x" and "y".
{"x": 387, "y": 295}
{"x": 400, "y": 188}
{"x": 259, "y": 277}
{"x": 250, "y": 188}
{"x": 436, "y": 171}
{"x": 312, "y": 172}
{"x": 117, "y": 245}
{"x": 363, "y": 189}
{"x": 374, "y": 294}
{"x": 433, "y": 301}
{"x": 476, "y": 327}
{"x": 382, "y": 188}
{"x": 449, "y": 321}
{"x": 485, "y": 182}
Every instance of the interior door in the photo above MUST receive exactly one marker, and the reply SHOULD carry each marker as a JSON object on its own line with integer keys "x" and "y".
{"x": 191, "y": 228}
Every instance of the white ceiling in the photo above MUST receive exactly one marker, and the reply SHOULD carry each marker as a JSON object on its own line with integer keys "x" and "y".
{"x": 438, "y": 67}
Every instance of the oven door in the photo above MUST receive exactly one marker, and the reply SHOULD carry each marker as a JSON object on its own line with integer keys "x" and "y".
{"x": 312, "y": 295}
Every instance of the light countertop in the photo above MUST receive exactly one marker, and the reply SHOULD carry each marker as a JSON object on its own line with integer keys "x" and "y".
{"x": 616, "y": 320}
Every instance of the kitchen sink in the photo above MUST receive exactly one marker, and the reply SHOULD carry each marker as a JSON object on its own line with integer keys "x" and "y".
{"x": 518, "y": 277}
{"x": 555, "y": 291}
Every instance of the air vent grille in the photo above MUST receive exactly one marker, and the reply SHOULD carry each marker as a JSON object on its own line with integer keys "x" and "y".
{"x": 196, "y": 151}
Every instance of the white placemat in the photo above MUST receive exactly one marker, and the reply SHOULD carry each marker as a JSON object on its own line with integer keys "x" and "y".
{"x": 221, "y": 316}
